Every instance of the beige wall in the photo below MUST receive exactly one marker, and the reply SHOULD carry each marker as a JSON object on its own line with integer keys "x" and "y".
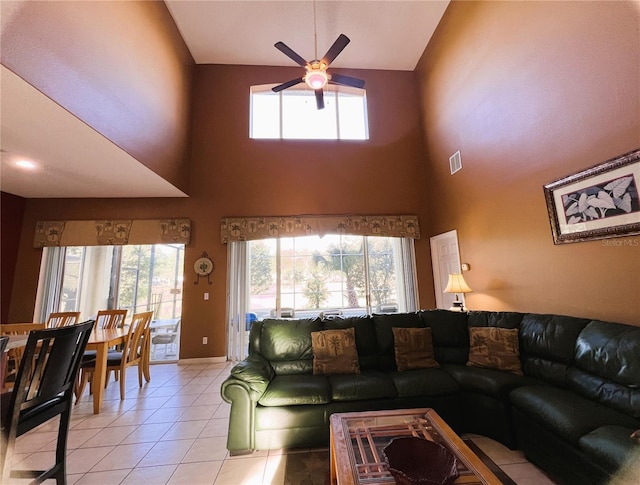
{"x": 530, "y": 92}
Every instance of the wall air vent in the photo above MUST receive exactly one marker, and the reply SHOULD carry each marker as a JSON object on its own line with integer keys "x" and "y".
{"x": 455, "y": 162}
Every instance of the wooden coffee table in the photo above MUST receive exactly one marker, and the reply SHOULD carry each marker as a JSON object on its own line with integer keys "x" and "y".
{"x": 357, "y": 440}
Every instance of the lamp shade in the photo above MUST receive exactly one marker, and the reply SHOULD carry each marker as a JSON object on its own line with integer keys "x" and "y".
{"x": 457, "y": 284}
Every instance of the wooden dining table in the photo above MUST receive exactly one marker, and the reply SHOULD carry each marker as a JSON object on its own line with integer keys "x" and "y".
{"x": 100, "y": 341}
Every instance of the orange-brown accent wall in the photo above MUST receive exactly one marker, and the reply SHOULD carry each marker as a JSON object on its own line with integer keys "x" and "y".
{"x": 232, "y": 175}
{"x": 121, "y": 67}
{"x": 530, "y": 92}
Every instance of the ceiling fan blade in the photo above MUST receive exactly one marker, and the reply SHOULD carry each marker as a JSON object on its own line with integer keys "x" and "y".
{"x": 340, "y": 43}
{"x": 347, "y": 80}
{"x": 290, "y": 53}
{"x": 319, "y": 98}
{"x": 286, "y": 85}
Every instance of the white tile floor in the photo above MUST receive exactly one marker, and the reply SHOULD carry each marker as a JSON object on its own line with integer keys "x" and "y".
{"x": 173, "y": 431}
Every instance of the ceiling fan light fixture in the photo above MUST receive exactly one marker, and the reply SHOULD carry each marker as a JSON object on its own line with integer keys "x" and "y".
{"x": 316, "y": 79}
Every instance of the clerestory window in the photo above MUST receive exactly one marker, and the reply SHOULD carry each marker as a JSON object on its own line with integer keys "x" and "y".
{"x": 292, "y": 114}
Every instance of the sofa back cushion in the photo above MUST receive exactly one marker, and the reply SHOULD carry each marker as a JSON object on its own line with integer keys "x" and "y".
{"x": 286, "y": 344}
{"x": 495, "y": 319}
{"x": 607, "y": 365}
{"x": 383, "y": 325}
{"x": 366, "y": 341}
{"x": 450, "y": 335}
{"x": 547, "y": 345}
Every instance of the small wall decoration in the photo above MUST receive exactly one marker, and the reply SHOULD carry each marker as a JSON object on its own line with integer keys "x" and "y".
{"x": 203, "y": 267}
{"x": 597, "y": 203}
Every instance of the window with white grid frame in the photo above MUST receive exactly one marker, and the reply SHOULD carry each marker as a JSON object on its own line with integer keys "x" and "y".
{"x": 292, "y": 114}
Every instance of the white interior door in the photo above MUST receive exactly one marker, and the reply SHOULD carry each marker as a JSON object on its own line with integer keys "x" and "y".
{"x": 445, "y": 259}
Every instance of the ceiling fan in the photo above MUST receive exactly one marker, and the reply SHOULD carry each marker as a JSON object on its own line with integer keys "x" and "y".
{"x": 317, "y": 76}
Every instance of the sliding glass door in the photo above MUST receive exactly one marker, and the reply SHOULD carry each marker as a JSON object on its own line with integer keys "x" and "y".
{"x": 137, "y": 278}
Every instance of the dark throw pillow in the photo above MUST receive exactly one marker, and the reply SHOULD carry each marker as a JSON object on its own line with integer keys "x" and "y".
{"x": 334, "y": 352}
{"x": 413, "y": 348}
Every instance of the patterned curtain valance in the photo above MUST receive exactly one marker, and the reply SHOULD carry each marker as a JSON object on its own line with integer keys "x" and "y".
{"x": 112, "y": 233}
{"x": 251, "y": 228}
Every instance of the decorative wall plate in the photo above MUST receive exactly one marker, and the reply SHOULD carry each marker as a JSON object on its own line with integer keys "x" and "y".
{"x": 203, "y": 267}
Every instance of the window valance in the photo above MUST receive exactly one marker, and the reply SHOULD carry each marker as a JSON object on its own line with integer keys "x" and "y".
{"x": 252, "y": 228}
{"x": 112, "y": 232}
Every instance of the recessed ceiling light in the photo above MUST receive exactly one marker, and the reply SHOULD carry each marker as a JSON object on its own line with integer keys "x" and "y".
{"x": 26, "y": 164}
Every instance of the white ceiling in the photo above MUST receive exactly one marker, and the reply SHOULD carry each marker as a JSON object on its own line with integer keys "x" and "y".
{"x": 76, "y": 161}
{"x": 388, "y": 34}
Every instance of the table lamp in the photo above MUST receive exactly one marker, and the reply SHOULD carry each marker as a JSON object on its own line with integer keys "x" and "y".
{"x": 457, "y": 284}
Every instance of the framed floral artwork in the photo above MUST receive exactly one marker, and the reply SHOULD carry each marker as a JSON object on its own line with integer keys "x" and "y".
{"x": 597, "y": 203}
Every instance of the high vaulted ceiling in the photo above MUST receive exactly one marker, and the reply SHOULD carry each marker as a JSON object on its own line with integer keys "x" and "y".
{"x": 384, "y": 35}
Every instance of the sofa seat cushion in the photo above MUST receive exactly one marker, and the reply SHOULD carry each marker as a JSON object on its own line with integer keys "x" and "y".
{"x": 566, "y": 413}
{"x": 300, "y": 389}
{"x": 357, "y": 387}
{"x": 491, "y": 382}
{"x": 424, "y": 382}
{"x": 609, "y": 446}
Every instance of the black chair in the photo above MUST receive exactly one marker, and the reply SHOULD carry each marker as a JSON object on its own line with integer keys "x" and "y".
{"x": 43, "y": 390}
{"x": 3, "y": 360}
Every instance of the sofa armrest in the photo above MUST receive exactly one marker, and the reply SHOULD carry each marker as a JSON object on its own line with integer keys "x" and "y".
{"x": 242, "y": 389}
{"x": 256, "y": 373}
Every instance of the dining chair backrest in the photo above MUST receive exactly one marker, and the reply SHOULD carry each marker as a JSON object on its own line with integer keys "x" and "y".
{"x": 62, "y": 319}
{"x": 14, "y": 356}
{"x": 140, "y": 323}
{"x": 111, "y": 318}
{"x": 43, "y": 390}
{"x": 3, "y": 360}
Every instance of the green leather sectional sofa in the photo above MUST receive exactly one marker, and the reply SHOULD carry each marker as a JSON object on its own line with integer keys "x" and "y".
{"x": 572, "y": 411}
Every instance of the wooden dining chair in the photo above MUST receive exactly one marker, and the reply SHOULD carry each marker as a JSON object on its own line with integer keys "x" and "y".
{"x": 14, "y": 356}
{"x": 111, "y": 318}
{"x": 132, "y": 354}
{"x": 43, "y": 391}
{"x": 105, "y": 319}
{"x": 62, "y": 319}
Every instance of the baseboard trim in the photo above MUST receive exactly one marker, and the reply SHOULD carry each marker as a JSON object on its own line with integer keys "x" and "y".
{"x": 203, "y": 360}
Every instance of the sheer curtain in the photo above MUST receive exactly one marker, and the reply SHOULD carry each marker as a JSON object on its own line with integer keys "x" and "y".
{"x": 49, "y": 284}
{"x": 407, "y": 263}
{"x": 237, "y": 300}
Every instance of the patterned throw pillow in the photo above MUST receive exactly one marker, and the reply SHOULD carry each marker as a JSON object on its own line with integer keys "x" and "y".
{"x": 413, "y": 348}
{"x": 334, "y": 352}
{"x": 495, "y": 348}
{"x": 635, "y": 436}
